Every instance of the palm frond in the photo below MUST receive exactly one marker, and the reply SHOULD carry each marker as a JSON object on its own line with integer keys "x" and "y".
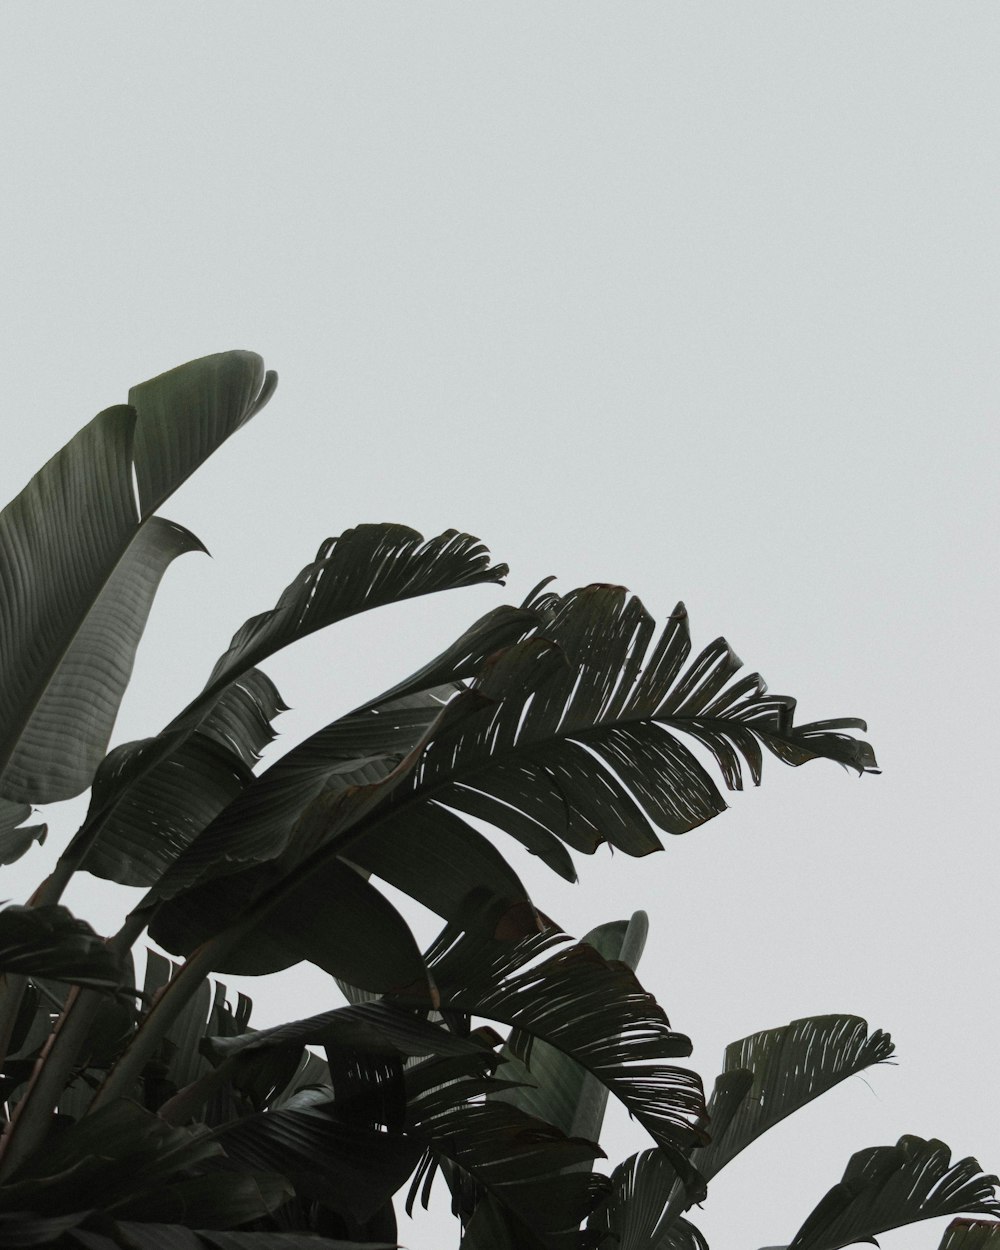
{"x": 971, "y": 1235}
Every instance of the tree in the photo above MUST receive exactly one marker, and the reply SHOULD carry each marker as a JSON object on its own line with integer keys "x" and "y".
{"x": 158, "y": 1116}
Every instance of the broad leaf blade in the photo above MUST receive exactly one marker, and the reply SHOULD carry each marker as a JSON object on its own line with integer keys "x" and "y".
{"x": 887, "y": 1187}
{"x": 593, "y": 1011}
{"x": 554, "y": 1087}
{"x": 187, "y": 412}
{"x": 186, "y": 790}
{"x": 787, "y": 1067}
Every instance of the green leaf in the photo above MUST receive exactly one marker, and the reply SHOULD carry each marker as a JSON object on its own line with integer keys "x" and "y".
{"x": 367, "y": 567}
{"x": 786, "y": 1068}
{"x": 361, "y": 937}
{"x": 79, "y": 568}
{"x": 971, "y": 1235}
{"x": 524, "y": 1163}
{"x": 555, "y": 1088}
{"x": 186, "y": 413}
{"x": 119, "y": 1152}
{"x": 50, "y": 942}
{"x": 186, "y": 789}
{"x": 577, "y": 735}
{"x": 378, "y": 1029}
{"x": 886, "y": 1187}
{"x": 594, "y": 1011}
{"x": 16, "y": 838}
{"x": 638, "y": 1213}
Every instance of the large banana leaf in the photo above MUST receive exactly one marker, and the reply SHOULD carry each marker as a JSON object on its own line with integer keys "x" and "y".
{"x": 170, "y": 802}
{"x": 350, "y": 1169}
{"x": 80, "y": 565}
{"x": 578, "y": 738}
{"x": 784, "y": 1068}
{"x": 555, "y": 1088}
{"x": 571, "y": 739}
{"x": 594, "y": 1011}
{"x": 636, "y": 1215}
{"x": 356, "y": 749}
{"x": 523, "y": 1163}
{"x": 367, "y": 567}
{"x": 886, "y": 1187}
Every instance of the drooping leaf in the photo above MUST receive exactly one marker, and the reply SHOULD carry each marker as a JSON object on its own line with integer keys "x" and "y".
{"x": 524, "y": 1163}
{"x": 594, "y": 1011}
{"x": 787, "y": 1068}
{"x": 637, "y": 1213}
{"x": 367, "y": 567}
{"x": 555, "y": 1088}
{"x": 886, "y": 1187}
{"x": 50, "y": 942}
{"x": 79, "y": 568}
{"x": 577, "y": 738}
{"x": 169, "y": 804}
{"x": 333, "y": 917}
{"x": 15, "y": 837}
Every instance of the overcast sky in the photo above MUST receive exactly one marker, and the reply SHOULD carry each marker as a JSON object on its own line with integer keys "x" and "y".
{"x": 698, "y": 298}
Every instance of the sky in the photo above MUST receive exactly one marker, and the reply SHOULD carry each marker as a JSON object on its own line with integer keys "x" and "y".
{"x": 699, "y": 299}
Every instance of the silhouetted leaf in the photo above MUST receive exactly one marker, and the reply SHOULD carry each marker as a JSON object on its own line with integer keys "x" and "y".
{"x": 637, "y": 1214}
{"x": 886, "y": 1187}
{"x": 787, "y": 1067}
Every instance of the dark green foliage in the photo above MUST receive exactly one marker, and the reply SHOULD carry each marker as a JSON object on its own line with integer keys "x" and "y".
{"x": 157, "y": 1117}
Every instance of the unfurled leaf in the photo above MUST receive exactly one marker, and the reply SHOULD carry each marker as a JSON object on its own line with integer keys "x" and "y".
{"x": 889, "y": 1186}
{"x": 576, "y": 738}
{"x": 785, "y": 1069}
{"x": 79, "y": 568}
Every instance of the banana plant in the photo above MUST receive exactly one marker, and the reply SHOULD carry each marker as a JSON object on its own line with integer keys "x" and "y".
{"x": 155, "y": 1115}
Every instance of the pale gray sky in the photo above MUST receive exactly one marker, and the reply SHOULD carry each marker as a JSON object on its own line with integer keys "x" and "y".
{"x": 698, "y": 298}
